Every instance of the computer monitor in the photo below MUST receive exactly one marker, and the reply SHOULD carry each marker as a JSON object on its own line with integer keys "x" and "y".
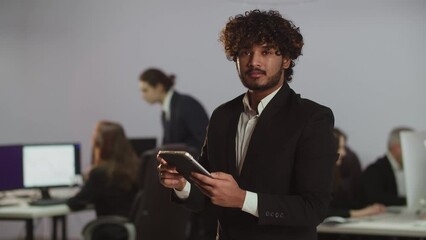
{"x": 414, "y": 154}
{"x": 40, "y": 166}
{"x": 141, "y": 145}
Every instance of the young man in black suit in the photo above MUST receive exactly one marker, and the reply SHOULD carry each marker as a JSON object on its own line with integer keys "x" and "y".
{"x": 271, "y": 152}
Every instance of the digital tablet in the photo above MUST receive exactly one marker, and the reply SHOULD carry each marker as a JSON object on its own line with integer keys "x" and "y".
{"x": 184, "y": 163}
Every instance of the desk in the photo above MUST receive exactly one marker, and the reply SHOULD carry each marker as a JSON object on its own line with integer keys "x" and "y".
{"x": 29, "y": 213}
{"x": 388, "y": 224}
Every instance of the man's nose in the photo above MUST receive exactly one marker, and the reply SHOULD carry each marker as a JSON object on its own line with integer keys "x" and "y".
{"x": 255, "y": 59}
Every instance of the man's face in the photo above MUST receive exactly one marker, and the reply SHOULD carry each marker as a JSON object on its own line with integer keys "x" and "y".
{"x": 396, "y": 151}
{"x": 260, "y": 68}
{"x": 151, "y": 94}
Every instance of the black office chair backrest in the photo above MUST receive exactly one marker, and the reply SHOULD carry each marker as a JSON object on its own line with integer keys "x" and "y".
{"x": 155, "y": 216}
{"x": 109, "y": 228}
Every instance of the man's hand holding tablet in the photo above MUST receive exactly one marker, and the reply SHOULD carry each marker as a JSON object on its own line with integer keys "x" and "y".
{"x": 183, "y": 162}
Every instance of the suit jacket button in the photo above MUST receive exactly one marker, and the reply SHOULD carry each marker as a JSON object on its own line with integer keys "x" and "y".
{"x": 277, "y": 215}
{"x": 281, "y": 215}
{"x": 267, "y": 213}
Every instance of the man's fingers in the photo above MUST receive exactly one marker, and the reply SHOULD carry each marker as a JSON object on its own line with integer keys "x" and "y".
{"x": 205, "y": 189}
{"x": 220, "y": 175}
{"x": 214, "y": 175}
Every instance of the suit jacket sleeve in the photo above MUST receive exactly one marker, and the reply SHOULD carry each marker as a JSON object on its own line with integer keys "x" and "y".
{"x": 196, "y": 121}
{"x": 85, "y": 196}
{"x": 188, "y": 121}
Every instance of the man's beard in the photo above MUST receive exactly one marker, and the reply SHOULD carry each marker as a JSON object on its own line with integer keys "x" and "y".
{"x": 272, "y": 82}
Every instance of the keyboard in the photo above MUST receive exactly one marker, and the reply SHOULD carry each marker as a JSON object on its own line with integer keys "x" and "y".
{"x": 48, "y": 202}
{"x": 8, "y": 203}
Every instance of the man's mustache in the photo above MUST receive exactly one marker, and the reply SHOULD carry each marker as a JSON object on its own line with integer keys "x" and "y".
{"x": 248, "y": 72}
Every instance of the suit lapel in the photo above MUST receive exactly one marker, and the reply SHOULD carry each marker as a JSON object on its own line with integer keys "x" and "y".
{"x": 231, "y": 135}
{"x": 259, "y": 138}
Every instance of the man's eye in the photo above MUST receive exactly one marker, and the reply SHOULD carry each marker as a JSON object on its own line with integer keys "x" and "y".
{"x": 244, "y": 53}
{"x": 266, "y": 52}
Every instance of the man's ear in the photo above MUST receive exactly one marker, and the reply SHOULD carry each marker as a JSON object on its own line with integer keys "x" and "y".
{"x": 159, "y": 87}
{"x": 286, "y": 62}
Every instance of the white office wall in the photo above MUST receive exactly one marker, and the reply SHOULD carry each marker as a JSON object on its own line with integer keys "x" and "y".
{"x": 64, "y": 65}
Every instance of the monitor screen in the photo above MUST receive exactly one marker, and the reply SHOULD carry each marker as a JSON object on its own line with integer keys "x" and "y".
{"x": 50, "y": 165}
{"x": 141, "y": 145}
{"x": 413, "y": 146}
{"x": 39, "y": 165}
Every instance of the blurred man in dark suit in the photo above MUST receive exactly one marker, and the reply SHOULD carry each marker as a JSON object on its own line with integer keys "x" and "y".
{"x": 383, "y": 181}
{"x": 184, "y": 122}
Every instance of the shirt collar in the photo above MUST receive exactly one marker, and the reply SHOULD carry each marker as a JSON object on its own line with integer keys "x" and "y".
{"x": 262, "y": 103}
{"x": 167, "y": 100}
{"x": 393, "y": 162}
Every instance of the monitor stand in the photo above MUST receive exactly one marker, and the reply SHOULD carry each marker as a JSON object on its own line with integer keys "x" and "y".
{"x": 45, "y": 193}
{"x": 46, "y": 199}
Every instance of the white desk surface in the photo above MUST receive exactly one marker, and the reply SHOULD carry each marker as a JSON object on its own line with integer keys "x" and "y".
{"x": 388, "y": 224}
{"x": 24, "y": 211}
{"x": 19, "y": 208}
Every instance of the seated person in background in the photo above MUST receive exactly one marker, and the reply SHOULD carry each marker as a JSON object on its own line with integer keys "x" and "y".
{"x": 383, "y": 181}
{"x": 342, "y": 204}
{"x": 112, "y": 182}
{"x": 349, "y": 168}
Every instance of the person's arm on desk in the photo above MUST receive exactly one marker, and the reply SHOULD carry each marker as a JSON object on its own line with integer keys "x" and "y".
{"x": 370, "y": 210}
{"x": 373, "y": 209}
{"x": 85, "y": 196}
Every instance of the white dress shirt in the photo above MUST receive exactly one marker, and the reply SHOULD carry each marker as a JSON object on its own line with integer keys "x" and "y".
{"x": 166, "y": 104}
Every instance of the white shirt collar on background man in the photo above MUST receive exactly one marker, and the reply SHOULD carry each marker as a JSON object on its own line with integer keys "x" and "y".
{"x": 166, "y": 103}
{"x": 399, "y": 175}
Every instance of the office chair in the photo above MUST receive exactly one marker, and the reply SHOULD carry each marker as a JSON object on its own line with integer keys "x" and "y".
{"x": 113, "y": 228}
{"x": 155, "y": 216}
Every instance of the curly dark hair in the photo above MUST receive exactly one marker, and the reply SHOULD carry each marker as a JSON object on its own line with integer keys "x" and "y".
{"x": 259, "y": 27}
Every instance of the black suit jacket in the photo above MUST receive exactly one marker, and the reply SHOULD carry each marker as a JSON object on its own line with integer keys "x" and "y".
{"x": 187, "y": 123}
{"x": 379, "y": 184}
{"x": 289, "y": 164}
